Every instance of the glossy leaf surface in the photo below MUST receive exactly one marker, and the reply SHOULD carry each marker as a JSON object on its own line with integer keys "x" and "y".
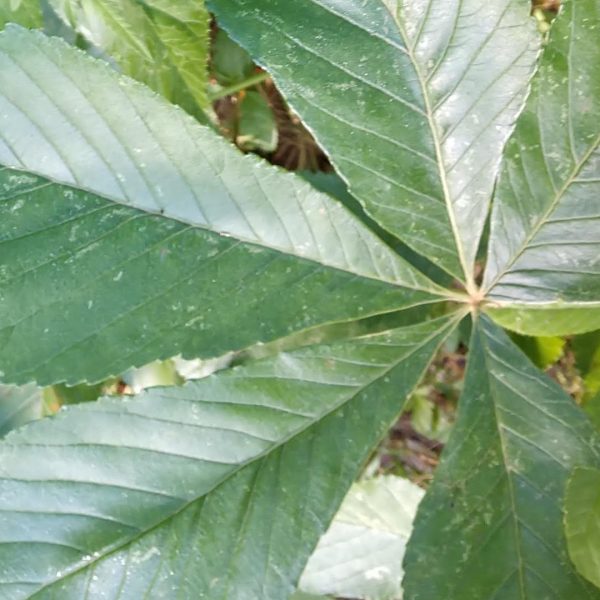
{"x": 414, "y": 111}
{"x": 545, "y": 238}
{"x": 582, "y": 522}
{"x": 235, "y": 465}
{"x": 491, "y": 525}
{"x": 179, "y": 245}
{"x": 162, "y": 43}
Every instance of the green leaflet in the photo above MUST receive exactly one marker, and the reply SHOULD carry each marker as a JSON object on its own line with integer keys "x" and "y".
{"x": 162, "y": 43}
{"x": 235, "y": 465}
{"x": 179, "y": 244}
{"x": 491, "y": 524}
{"x": 554, "y": 318}
{"x": 18, "y": 405}
{"x": 333, "y": 184}
{"x": 89, "y": 288}
{"x": 414, "y": 112}
{"x": 545, "y": 234}
{"x": 582, "y": 522}
{"x": 27, "y": 13}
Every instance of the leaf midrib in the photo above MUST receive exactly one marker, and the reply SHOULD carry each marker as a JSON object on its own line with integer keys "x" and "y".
{"x": 434, "y": 290}
{"x": 511, "y": 490}
{"x": 443, "y": 332}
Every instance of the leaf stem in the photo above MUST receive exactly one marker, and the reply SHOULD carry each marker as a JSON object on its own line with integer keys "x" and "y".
{"x": 238, "y": 87}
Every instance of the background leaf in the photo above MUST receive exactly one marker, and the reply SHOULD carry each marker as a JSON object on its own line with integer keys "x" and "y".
{"x": 582, "y": 522}
{"x": 257, "y": 130}
{"x": 162, "y": 43}
{"x": 231, "y": 64}
{"x": 360, "y": 556}
{"x": 19, "y": 405}
{"x": 586, "y": 349}
{"x": 491, "y": 525}
{"x": 27, "y": 13}
{"x": 541, "y": 351}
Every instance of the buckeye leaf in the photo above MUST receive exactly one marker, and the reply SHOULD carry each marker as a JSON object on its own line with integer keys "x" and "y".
{"x": 414, "y": 111}
{"x": 198, "y": 490}
{"x": 491, "y": 524}
{"x": 150, "y": 236}
{"x": 162, "y": 43}
{"x": 544, "y": 251}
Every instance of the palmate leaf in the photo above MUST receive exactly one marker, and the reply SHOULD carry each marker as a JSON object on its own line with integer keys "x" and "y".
{"x": 491, "y": 524}
{"x": 197, "y": 491}
{"x": 545, "y": 236}
{"x": 163, "y": 238}
{"x": 24, "y": 12}
{"x": 414, "y": 111}
{"x": 162, "y": 43}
